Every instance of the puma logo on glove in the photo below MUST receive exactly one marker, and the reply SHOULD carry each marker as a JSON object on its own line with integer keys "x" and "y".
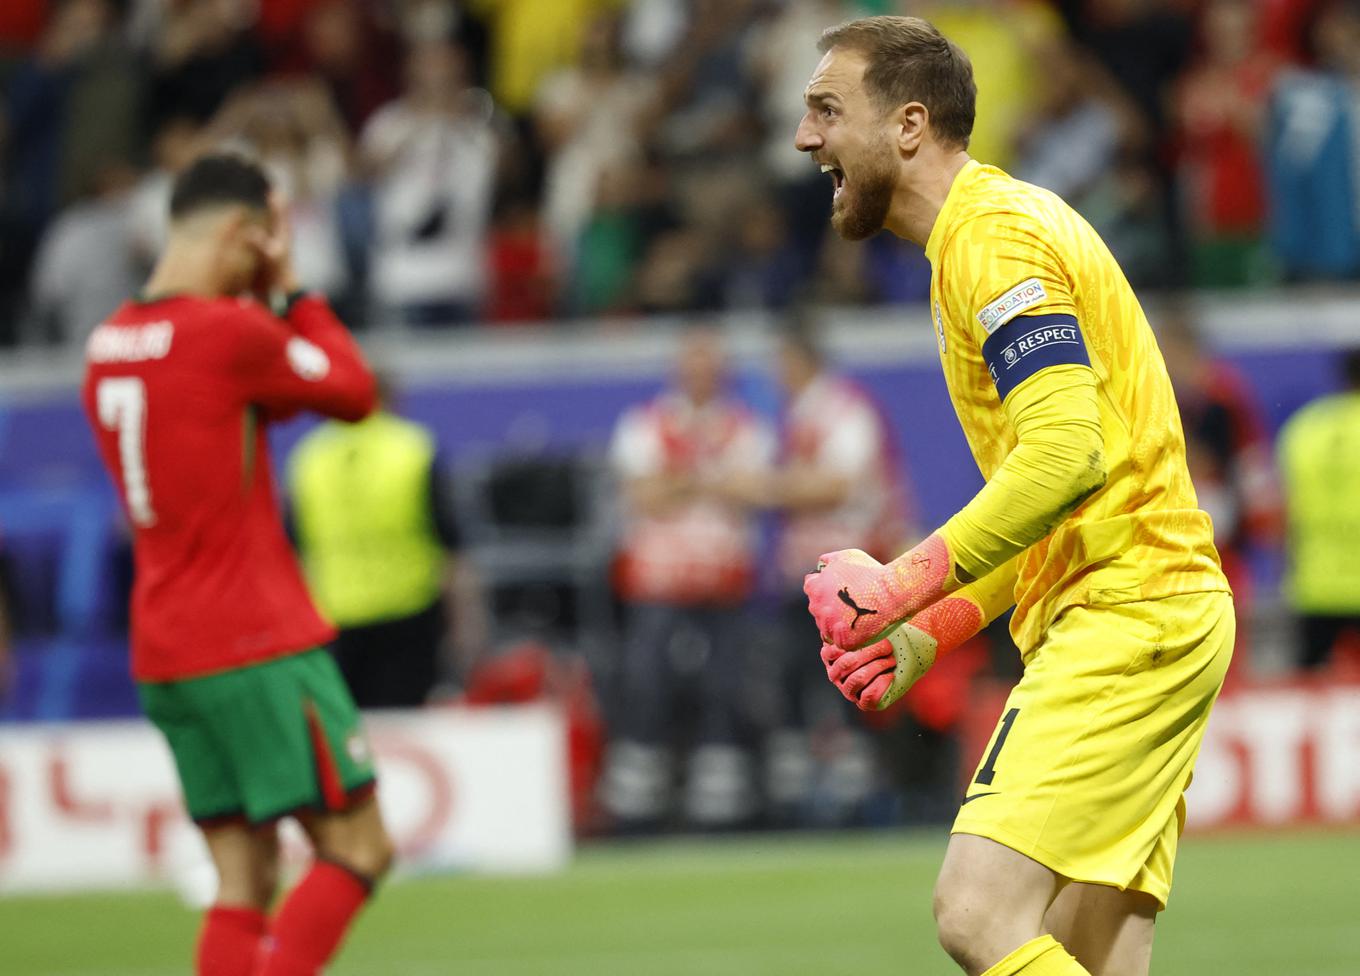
{"x": 849, "y": 601}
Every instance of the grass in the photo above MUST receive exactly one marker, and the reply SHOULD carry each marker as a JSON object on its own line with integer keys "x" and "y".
{"x": 1259, "y": 905}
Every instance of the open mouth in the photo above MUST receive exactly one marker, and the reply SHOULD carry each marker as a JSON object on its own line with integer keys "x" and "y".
{"x": 837, "y": 177}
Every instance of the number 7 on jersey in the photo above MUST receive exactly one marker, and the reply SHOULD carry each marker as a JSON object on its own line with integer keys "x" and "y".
{"x": 121, "y": 403}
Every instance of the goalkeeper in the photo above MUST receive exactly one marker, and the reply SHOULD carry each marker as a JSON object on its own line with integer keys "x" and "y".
{"x": 1062, "y": 851}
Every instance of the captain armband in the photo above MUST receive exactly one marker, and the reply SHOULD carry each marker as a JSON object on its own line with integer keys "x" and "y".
{"x": 1031, "y": 343}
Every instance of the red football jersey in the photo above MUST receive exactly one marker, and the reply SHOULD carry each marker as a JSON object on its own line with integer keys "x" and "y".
{"x": 178, "y": 392}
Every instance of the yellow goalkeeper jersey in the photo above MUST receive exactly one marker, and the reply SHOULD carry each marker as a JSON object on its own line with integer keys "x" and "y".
{"x": 1020, "y": 282}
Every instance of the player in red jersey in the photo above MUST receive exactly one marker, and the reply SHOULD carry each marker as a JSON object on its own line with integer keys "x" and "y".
{"x": 180, "y": 384}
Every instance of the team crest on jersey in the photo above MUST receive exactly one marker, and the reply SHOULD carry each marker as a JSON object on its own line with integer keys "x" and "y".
{"x": 307, "y": 359}
{"x": 939, "y": 326}
{"x": 1001, "y": 310}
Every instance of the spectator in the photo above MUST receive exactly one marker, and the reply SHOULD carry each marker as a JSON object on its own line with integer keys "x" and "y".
{"x": 840, "y": 484}
{"x": 1085, "y": 144}
{"x": 1311, "y": 153}
{"x": 1319, "y": 452}
{"x": 758, "y": 268}
{"x": 1144, "y": 45}
{"x": 354, "y": 55}
{"x": 85, "y": 266}
{"x": 523, "y": 270}
{"x": 432, "y": 156}
{"x": 635, "y": 217}
{"x": 707, "y": 92}
{"x": 381, "y": 553}
{"x": 1220, "y": 109}
{"x": 1229, "y": 455}
{"x": 1284, "y": 27}
{"x": 21, "y": 24}
{"x": 652, "y": 29}
{"x": 202, "y": 51}
{"x": 669, "y": 279}
{"x": 591, "y": 119}
{"x": 685, "y": 571}
{"x": 1010, "y": 42}
{"x": 781, "y": 56}
{"x": 530, "y": 39}
{"x": 1129, "y": 210}
{"x": 1072, "y": 141}
{"x": 73, "y": 108}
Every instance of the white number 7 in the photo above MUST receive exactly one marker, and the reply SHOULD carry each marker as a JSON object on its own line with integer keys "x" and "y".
{"x": 122, "y": 407}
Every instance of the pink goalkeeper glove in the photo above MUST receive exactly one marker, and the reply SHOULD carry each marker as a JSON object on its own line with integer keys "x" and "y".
{"x": 855, "y": 599}
{"x": 876, "y": 676}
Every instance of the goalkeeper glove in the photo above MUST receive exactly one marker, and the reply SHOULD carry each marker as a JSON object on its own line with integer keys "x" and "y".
{"x": 855, "y": 599}
{"x": 876, "y": 676}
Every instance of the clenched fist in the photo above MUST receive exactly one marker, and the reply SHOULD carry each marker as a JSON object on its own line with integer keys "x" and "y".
{"x": 855, "y": 599}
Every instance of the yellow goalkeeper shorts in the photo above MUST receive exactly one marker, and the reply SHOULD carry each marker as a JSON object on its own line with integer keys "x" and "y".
{"x": 1087, "y": 769}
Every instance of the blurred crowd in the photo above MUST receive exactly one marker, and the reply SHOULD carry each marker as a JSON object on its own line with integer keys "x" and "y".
{"x": 496, "y": 161}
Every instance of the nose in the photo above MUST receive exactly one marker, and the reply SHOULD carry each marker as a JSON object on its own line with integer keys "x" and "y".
{"x": 807, "y": 138}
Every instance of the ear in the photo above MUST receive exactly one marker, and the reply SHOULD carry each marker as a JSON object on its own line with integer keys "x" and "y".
{"x": 243, "y": 225}
{"x": 913, "y": 121}
{"x": 230, "y": 225}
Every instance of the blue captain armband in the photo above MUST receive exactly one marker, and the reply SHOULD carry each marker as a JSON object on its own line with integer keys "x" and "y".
{"x": 1030, "y": 343}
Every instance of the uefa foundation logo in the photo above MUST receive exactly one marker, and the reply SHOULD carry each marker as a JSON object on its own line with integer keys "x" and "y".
{"x": 1001, "y": 310}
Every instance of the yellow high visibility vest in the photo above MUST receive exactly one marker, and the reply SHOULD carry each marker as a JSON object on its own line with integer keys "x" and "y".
{"x": 361, "y": 503}
{"x": 1320, "y": 463}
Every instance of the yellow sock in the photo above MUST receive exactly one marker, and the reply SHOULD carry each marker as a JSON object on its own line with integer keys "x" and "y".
{"x": 1043, "y": 956}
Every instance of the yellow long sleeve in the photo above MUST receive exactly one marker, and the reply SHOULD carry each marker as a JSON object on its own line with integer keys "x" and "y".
{"x": 1057, "y": 464}
{"x": 994, "y": 593}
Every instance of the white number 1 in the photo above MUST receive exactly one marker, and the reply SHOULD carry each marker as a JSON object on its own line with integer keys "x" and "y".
{"x": 122, "y": 407}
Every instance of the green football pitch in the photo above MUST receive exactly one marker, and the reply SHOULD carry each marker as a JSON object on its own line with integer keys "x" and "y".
{"x": 1258, "y": 905}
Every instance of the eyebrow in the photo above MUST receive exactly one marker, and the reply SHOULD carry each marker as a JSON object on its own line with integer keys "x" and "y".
{"x": 819, "y": 98}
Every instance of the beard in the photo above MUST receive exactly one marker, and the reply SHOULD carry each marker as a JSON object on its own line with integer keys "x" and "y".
{"x": 860, "y": 211}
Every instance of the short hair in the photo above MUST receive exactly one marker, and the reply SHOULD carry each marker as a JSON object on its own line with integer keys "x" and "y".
{"x": 217, "y": 180}
{"x": 909, "y": 60}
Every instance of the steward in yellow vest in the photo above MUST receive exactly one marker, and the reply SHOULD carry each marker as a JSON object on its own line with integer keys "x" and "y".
{"x": 1319, "y": 453}
{"x": 369, "y": 517}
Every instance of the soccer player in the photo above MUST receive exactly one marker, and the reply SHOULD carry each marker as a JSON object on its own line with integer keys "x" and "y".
{"x": 180, "y": 384}
{"x": 1061, "y": 853}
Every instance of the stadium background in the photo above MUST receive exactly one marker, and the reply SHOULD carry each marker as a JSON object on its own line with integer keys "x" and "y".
{"x": 608, "y": 173}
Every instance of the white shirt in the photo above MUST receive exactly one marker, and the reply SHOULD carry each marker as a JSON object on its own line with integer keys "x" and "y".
{"x": 439, "y": 172}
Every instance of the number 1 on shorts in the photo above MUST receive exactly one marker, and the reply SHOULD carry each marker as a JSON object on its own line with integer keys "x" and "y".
{"x": 988, "y": 771}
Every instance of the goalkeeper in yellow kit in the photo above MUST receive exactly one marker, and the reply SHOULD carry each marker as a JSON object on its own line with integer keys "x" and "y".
{"x": 1062, "y": 851}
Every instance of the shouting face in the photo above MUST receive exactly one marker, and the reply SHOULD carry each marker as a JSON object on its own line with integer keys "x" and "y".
{"x": 850, "y": 138}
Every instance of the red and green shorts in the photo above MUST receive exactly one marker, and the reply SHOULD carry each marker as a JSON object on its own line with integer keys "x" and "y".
{"x": 261, "y": 742}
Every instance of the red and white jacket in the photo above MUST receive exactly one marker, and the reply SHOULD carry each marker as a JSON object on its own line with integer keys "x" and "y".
{"x": 834, "y": 426}
{"x": 704, "y": 551}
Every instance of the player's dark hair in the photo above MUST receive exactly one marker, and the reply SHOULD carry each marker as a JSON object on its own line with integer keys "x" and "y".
{"x": 216, "y": 180}
{"x": 910, "y": 61}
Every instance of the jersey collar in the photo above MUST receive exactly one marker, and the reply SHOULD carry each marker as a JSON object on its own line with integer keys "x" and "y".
{"x": 148, "y": 298}
{"x": 945, "y": 219}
